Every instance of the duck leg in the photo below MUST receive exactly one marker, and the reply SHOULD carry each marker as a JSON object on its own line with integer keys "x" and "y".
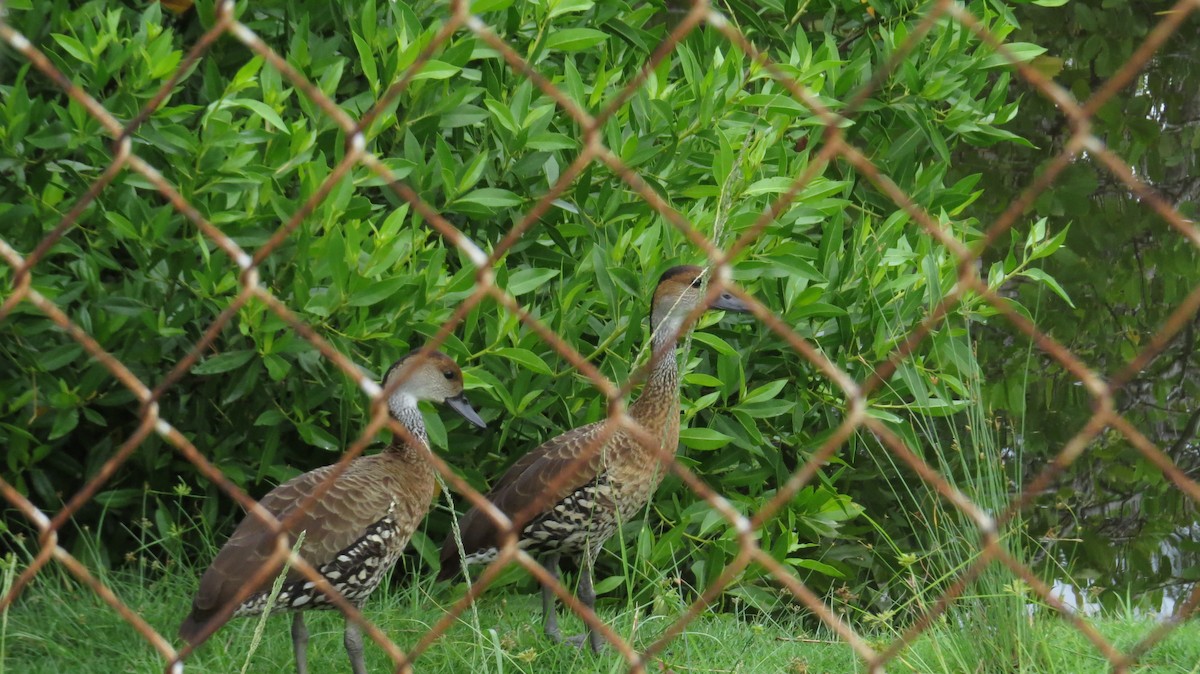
{"x": 549, "y": 612}
{"x": 300, "y": 642}
{"x": 587, "y": 596}
{"x": 354, "y": 648}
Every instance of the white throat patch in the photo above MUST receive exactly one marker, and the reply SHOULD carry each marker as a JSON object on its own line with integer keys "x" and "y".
{"x": 401, "y": 400}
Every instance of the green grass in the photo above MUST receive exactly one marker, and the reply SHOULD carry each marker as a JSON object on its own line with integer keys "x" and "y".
{"x": 58, "y": 626}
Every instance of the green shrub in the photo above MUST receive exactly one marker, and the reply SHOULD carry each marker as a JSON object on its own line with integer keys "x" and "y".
{"x": 710, "y": 132}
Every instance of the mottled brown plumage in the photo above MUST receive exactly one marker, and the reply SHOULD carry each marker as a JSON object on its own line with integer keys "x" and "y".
{"x": 612, "y": 483}
{"x": 355, "y": 532}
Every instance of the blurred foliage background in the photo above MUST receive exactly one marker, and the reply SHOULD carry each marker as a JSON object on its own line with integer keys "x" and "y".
{"x": 710, "y": 132}
{"x": 1113, "y": 518}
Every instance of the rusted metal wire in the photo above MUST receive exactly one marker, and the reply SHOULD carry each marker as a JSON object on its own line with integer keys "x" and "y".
{"x": 592, "y": 150}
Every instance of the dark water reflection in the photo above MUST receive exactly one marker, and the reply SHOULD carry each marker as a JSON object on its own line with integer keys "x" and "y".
{"x": 1147, "y": 572}
{"x": 1114, "y": 531}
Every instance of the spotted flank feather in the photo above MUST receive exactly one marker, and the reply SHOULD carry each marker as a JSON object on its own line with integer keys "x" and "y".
{"x": 355, "y": 572}
{"x": 576, "y": 525}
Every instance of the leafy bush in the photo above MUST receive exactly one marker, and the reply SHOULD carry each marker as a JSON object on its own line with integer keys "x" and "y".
{"x": 710, "y": 132}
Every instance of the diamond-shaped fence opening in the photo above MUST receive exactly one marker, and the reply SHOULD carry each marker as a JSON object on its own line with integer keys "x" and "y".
{"x": 244, "y": 268}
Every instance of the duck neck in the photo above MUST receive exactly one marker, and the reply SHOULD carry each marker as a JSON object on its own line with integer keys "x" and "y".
{"x": 404, "y": 409}
{"x": 657, "y": 408}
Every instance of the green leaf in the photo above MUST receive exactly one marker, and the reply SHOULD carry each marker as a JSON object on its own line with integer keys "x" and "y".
{"x": 525, "y": 280}
{"x": 566, "y": 6}
{"x": 502, "y": 115}
{"x": 245, "y": 75}
{"x": 490, "y": 197}
{"x": 551, "y": 141}
{"x": 366, "y": 58}
{"x": 798, "y": 267}
{"x": 819, "y": 567}
{"x": 224, "y": 362}
{"x": 435, "y": 427}
{"x": 370, "y": 21}
{"x": 481, "y": 6}
{"x": 54, "y": 358}
{"x": 608, "y": 584}
{"x": 74, "y": 47}
{"x": 766, "y": 409}
{"x": 119, "y": 498}
{"x": 776, "y": 185}
{"x": 472, "y": 173}
{"x": 701, "y": 379}
{"x": 1047, "y": 248}
{"x": 701, "y": 191}
{"x": 719, "y": 345}
{"x": 400, "y": 169}
{"x": 277, "y": 367}
{"x": 94, "y": 417}
{"x": 818, "y": 309}
{"x": 1050, "y": 282}
{"x": 317, "y": 437}
{"x": 436, "y": 70}
{"x": 271, "y": 417}
{"x": 525, "y": 358}
{"x": 464, "y": 115}
{"x": 65, "y": 421}
{"x": 1021, "y": 51}
{"x": 574, "y": 39}
{"x": 261, "y": 109}
{"x": 765, "y": 392}
{"x": 775, "y": 103}
{"x": 937, "y": 407}
{"x": 377, "y": 291}
{"x": 322, "y": 301}
{"x": 703, "y": 439}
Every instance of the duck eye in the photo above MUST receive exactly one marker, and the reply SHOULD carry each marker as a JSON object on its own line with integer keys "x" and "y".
{"x": 696, "y": 282}
{"x": 448, "y": 374}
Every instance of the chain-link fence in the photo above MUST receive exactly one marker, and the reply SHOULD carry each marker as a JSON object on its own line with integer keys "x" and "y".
{"x": 834, "y": 146}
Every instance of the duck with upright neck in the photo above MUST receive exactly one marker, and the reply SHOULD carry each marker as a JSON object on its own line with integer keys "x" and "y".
{"x": 607, "y": 484}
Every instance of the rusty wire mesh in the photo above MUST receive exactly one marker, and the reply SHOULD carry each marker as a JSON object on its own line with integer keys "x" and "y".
{"x": 835, "y": 146}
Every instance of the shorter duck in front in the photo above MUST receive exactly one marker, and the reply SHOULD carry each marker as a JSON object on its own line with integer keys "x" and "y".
{"x": 355, "y": 532}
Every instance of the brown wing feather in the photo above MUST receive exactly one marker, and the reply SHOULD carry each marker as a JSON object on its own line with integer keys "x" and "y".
{"x": 523, "y": 482}
{"x": 332, "y": 523}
